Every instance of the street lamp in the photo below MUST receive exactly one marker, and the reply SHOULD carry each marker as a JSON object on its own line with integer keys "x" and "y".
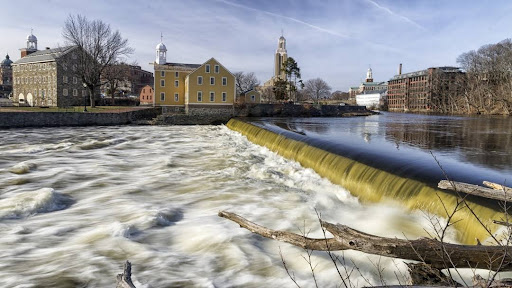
{"x": 85, "y": 98}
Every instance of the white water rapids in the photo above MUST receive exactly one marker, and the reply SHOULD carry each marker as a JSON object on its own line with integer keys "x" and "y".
{"x": 75, "y": 203}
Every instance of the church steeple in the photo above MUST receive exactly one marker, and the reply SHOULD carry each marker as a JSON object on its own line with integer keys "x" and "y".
{"x": 280, "y": 57}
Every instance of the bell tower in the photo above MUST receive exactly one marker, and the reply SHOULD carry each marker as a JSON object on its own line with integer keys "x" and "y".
{"x": 31, "y": 45}
{"x": 369, "y": 76}
{"x": 280, "y": 58}
{"x": 161, "y": 52}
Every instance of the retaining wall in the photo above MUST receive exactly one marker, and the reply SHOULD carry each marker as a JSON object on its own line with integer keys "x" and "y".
{"x": 305, "y": 110}
{"x": 54, "y": 119}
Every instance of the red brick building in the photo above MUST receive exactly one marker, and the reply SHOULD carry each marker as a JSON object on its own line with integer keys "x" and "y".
{"x": 424, "y": 90}
{"x": 146, "y": 95}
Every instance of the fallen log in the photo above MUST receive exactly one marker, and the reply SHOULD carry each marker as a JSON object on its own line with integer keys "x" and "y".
{"x": 437, "y": 254}
{"x": 497, "y": 186}
{"x": 124, "y": 280}
{"x": 476, "y": 190}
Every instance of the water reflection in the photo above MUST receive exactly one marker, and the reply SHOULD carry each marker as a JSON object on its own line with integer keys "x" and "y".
{"x": 471, "y": 149}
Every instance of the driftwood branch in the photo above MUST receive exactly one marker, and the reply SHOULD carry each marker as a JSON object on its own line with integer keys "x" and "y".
{"x": 497, "y": 186}
{"x": 429, "y": 251}
{"x": 496, "y": 194}
{"x": 125, "y": 280}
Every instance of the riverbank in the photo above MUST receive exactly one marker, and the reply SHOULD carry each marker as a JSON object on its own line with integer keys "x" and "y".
{"x": 107, "y": 116}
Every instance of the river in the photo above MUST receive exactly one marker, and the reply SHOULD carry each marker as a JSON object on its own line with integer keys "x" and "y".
{"x": 75, "y": 203}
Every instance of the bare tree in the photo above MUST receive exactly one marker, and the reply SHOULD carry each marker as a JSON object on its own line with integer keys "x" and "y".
{"x": 245, "y": 81}
{"x": 98, "y": 48}
{"x": 115, "y": 77}
{"x": 317, "y": 89}
{"x": 339, "y": 95}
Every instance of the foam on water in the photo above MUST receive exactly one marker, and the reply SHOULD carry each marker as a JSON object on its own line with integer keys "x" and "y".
{"x": 154, "y": 199}
{"x": 22, "y": 168}
{"x": 28, "y": 203}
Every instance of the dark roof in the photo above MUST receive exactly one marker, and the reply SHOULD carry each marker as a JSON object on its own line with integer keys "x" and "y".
{"x": 184, "y": 65}
{"x": 6, "y": 62}
{"x": 45, "y": 55}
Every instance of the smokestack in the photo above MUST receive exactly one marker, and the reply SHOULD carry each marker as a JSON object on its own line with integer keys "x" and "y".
{"x": 400, "y": 69}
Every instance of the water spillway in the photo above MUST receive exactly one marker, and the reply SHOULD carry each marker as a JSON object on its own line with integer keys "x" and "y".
{"x": 372, "y": 184}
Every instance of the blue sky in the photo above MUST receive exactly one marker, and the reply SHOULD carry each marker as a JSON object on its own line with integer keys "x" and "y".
{"x": 334, "y": 40}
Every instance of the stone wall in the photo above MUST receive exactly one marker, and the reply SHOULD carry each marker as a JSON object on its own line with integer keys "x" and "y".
{"x": 306, "y": 110}
{"x": 183, "y": 119}
{"x": 54, "y": 119}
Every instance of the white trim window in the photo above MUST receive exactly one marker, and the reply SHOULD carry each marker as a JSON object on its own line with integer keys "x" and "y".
{"x": 162, "y": 83}
{"x": 176, "y": 74}
{"x": 162, "y": 73}
{"x": 216, "y": 69}
{"x": 176, "y": 97}
{"x": 65, "y": 79}
{"x": 199, "y": 80}
{"x": 65, "y": 92}
{"x": 253, "y": 98}
{"x": 176, "y": 83}
{"x": 162, "y": 96}
{"x": 207, "y": 68}
{"x": 75, "y": 80}
{"x": 212, "y": 96}
{"x": 212, "y": 80}
{"x": 75, "y": 92}
{"x": 224, "y": 96}
{"x": 84, "y": 93}
{"x": 199, "y": 96}
{"x": 224, "y": 81}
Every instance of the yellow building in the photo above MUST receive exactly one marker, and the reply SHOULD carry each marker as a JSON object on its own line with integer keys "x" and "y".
{"x": 252, "y": 96}
{"x": 193, "y": 88}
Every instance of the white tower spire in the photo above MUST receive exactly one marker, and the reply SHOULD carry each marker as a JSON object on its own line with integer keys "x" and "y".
{"x": 161, "y": 52}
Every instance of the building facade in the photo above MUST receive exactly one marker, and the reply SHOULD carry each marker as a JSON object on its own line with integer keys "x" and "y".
{"x": 46, "y": 77}
{"x": 368, "y": 86}
{"x": 252, "y": 96}
{"x": 146, "y": 95}
{"x": 425, "y": 90}
{"x": 192, "y": 88}
{"x": 5, "y": 77}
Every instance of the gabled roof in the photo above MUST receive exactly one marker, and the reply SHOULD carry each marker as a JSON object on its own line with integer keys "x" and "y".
{"x": 209, "y": 61}
{"x": 45, "y": 55}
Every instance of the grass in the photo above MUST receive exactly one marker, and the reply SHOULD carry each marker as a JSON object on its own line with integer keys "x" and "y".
{"x": 68, "y": 109}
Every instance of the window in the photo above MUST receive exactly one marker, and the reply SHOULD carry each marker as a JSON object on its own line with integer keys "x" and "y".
{"x": 75, "y": 92}
{"x": 253, "y": 98}
{"x": 84, "y": 93}
{"x": 176, "y": 97}
{"x": 176, "y": 74}
{"x": 199, "y": 96}
{"x": 162, "y": 83}
{"x": 224, "y": 96}
{"x": 75, "y": 80}
{"x": 176, "y": 83}
{"x": 212, "y": 96}
{"x": 216, "y": 68}
{"x": 65, "y": 92}
{"x": 65, "y": 79}
{"x": 162, "y": 96}
{"x": 212, "y": 80}
{"x": 199, "y": 80}
{"x": 207, "y": 68}
{"x": 162, "y": 73}
{"x": 224, "y": 81}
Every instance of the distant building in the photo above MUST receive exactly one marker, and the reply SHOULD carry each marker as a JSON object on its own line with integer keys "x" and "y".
{"x": 193, "y": 88}
{"x": 146, "y": 95}
{"x": 373, "y": 100}
{"x": 46, "y": 77}
{"x": 251, "y": 96}
{"x": 425, "y": 90}
{"x": 135, "y": 78}
{"x": 5, "y": 77}
{"x": 368, "y": 86}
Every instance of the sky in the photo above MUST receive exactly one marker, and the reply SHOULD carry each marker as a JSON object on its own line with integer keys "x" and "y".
{"x": 336, "y": 40}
